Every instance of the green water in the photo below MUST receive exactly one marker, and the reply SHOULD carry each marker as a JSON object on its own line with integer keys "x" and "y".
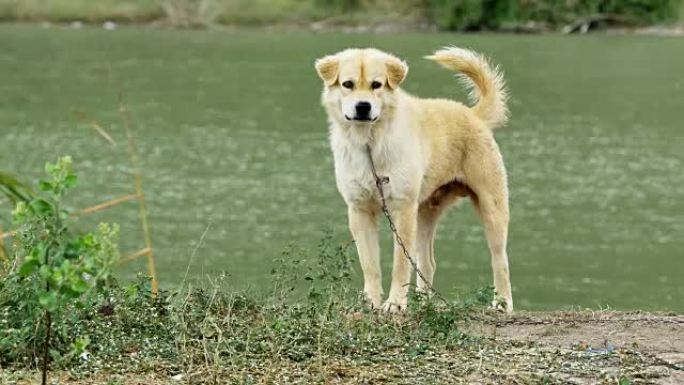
{"x": 233, "y": 141}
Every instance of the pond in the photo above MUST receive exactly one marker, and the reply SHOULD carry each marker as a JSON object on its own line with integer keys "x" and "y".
{"x": 233, "y": 144}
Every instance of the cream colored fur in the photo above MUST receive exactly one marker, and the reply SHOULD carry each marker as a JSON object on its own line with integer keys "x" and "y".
{"x": 434, "y": 152}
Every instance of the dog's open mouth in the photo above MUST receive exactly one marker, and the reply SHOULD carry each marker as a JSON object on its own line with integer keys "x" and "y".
{"x": 357, "y": 119}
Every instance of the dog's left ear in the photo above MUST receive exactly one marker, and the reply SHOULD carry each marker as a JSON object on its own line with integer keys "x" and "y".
{"x": 328, "y": 68}
{"x": 396, "y": 71}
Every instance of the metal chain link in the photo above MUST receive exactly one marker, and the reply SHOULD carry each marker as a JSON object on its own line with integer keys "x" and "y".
{"x": 379, "y": 182}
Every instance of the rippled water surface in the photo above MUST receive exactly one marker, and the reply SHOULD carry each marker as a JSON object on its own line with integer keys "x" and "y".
{"x": 233, "y": 141}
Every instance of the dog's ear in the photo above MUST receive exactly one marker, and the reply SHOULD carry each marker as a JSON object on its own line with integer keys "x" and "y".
{"x": 396, "y": 71}
{"x": 328, "y": 69}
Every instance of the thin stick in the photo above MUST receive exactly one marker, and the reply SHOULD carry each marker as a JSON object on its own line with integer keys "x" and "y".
{"x": 135, "y": 255}
{"x": 135, "y": 163}
{"x": 96, "y": 126}
{"x": 107, "y": 204}
{"x": 85, "y": 211}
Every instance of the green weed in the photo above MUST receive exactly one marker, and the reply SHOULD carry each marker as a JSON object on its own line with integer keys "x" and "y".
{"x": 52, "y": 271}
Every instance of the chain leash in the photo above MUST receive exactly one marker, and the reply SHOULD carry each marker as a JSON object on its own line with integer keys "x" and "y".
{"x": 379, "y": 182}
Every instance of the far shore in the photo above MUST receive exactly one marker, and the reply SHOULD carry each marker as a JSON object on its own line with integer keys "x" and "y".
{"x": 326, "y": 26}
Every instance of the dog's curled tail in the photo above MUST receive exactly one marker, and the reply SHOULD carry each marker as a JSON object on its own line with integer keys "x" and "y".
{"x": 486, "y": 83}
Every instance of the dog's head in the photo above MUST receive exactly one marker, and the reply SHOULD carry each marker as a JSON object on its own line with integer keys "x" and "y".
{"x": 360, "y": 84}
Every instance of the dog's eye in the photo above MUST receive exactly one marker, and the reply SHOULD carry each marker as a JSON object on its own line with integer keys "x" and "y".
{"x": 376, "y": 85}
{"x": 348, "y": 84}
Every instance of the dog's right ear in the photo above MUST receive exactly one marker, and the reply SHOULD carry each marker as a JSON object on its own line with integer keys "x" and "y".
{"x": 328, "y": 69}
{"x": 396, "y": 71}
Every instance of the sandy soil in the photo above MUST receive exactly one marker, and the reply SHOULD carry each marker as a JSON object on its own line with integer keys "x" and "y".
{"x": 659, "y": 335}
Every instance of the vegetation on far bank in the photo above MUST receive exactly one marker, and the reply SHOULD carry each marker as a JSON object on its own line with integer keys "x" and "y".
{"x": 467, "y": 15}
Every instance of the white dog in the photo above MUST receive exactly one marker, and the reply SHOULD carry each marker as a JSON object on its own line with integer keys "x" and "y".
{"x": 433, "y": 151}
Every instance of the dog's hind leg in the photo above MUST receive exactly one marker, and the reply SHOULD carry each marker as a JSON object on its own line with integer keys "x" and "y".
{"x": 487, "y": 179}
{"x": 364, "y": 228}
{"x": 493, "y": 210}
{"x": 425, "y": 237}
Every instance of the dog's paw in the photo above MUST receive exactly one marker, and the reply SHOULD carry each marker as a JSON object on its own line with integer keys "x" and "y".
{"x": 500, "y": 304}
{"x": 396, "y": 301}
{"x": 390, "y": 307}
{"x": 373, "y": 301}
{"x": 393, "y": 306}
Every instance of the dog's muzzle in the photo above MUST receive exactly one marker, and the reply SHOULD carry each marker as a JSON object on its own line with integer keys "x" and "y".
{"x": 362, "y": 110}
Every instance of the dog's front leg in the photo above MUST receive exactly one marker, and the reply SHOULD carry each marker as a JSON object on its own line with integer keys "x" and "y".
{"x": 363, "y": 224}
{"x": 404, "y": 215}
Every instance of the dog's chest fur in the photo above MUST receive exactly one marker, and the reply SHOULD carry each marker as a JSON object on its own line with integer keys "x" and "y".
{"x": 396, "y": 155}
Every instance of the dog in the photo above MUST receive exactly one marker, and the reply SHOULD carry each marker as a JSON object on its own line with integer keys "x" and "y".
{"x": 433, "y": 151}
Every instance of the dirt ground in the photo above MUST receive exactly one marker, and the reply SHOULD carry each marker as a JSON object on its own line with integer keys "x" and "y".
{"x": 659, "y": 335}
{"x": 524, "y": 348}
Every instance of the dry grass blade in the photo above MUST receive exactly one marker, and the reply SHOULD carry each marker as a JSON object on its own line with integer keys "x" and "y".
{"x": 135, "y": 164}
{"x": 82, "y": 116}
{"x": 133, "y": 256}
{"x": 108, "y": 204}
{"x": 194, "y": 252}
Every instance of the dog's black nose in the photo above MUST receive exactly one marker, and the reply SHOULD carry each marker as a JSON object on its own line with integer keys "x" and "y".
{"x": 362, "y": 110}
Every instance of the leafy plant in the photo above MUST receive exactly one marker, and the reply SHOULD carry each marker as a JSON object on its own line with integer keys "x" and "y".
{"x": 55, "y": 270}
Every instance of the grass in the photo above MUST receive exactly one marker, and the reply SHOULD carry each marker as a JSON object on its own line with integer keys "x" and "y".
{"x": 203, "y": 331}
{"x": 323, "y": 334}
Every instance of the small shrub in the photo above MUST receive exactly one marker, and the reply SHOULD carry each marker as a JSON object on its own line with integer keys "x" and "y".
{"x": 53, "y": 272}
